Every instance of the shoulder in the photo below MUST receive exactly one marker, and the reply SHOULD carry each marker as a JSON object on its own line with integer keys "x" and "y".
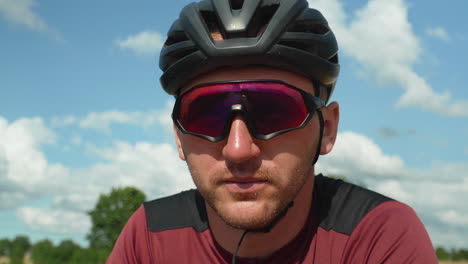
{"x": 368, "y": 219}
{"x": 143, "y": 238}
{"x": 185, "y": 209}
{"x": 399, "y": 233}
{"x": 132, "y": 242}
{"x": 340, "y": 206}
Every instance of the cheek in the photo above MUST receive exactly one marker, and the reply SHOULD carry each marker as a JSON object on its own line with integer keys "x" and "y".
{"x": 203, "y": 163}
{"x": 290, "y": 166}
{"x": 198, "y": 167}
{"x": 201, "y": 156}
{"x": 196, "y": 147}
{"x": 294, "y": 147}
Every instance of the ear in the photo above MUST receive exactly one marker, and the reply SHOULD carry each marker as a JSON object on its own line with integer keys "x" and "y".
{"x": 331, "y": 118}
{"x": 178, "y": 143}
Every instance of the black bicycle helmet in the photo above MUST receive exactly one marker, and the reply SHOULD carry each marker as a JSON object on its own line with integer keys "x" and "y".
{"x": 283, "y": 34}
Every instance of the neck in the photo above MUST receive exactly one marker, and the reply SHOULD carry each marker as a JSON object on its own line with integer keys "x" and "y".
{"x": 263, "y": 244}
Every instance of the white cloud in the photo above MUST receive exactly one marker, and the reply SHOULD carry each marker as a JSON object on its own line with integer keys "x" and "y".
{"x": 442, "y": 207}
{"x": 164, "y": 117}
{"x": 443, "y": 171}
{"x": 79, "y": 201}
{"x": 394, "y": 189}
{"x": 454, "y": 218}
{"x": 11, "y": 198}
{"x": 102, "y": 121}
{"x": 53, "y": 220}
{"x": 145, "y": 43}
{"x": 355, "y": 155}
{"x": 439, "y": 33}
{"x": 24, "y": 169}
{"x": 380, "y": 37}
{"x": 154, "y": 168}
{"x": 437, "y": 193}
{"x": 21, "y": 12}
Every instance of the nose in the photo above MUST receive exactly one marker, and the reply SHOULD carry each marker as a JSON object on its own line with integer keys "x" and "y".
{"x": 240, "y": 145}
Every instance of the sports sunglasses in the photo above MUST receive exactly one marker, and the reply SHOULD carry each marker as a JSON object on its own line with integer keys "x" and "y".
{"x": 269, "y": 108}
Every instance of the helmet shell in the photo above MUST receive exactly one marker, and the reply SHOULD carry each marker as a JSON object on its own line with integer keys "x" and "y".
{"x": 283, "y": 34}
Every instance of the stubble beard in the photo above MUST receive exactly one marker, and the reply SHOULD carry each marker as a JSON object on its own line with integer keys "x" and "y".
{"x": 273, "y": 207}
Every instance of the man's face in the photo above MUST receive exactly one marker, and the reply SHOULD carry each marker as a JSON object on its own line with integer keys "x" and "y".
{"x": 248, "y": 181}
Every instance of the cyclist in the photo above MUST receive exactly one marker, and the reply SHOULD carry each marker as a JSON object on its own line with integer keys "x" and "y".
{"x": 252, "y": 81}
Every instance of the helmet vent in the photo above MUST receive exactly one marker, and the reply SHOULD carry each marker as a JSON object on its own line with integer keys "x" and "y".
{"x": 175, "y": 37}
{"x": 211, "y": 22}
{"x": 299, "y": 45}
{"x": 263, "y": 19}
{"x": 267, "y": 13}
{"x": 236, "y": 4}
{"x": 318, "y": 29}
{"x": 334, "y": 59}
{"x": 173, "y": 57}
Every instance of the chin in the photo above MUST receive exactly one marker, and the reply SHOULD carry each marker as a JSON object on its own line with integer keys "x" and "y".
{"x": 248, "y": 215}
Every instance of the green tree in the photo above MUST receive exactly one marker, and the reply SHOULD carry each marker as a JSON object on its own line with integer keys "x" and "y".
{"x": 464, "y": 253}
{"x": 110, "y": 215}
{"x": 89, "y": 256}
{"x": 5, "y": 247}
{"x": 43, "y": 252}
{"x": 442, "y": 254}
{"x": 65, "y": 250}
{"x": 460, "y": 254}
{"x": 19, "y": 246}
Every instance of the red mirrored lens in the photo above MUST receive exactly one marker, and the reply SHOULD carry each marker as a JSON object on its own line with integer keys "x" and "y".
{"x": 276, "y": 107}
{"x": 269, "y": 106}
{"x": 205, "y": 110}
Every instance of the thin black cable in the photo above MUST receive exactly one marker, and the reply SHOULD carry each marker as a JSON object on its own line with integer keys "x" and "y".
{"x": 261, "y": 230}
{"x": 321, "y": 121}
{"x": 318, "y": 88}
{"x": 238, "y": 246}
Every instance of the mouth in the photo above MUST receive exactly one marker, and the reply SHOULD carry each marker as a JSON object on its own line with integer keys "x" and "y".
{"x": 245, "y": 186}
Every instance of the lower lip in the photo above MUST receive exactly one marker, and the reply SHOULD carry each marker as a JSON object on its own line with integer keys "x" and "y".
{"x": 245, "y": 187}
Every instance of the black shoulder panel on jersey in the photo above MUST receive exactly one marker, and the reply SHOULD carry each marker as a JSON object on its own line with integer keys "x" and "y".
{"x": 340, "y": 206}
{"x": 186, "y": 209}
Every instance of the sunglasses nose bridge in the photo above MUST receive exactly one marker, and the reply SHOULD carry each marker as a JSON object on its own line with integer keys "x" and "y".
{"x": 236, "y": 108}
{"x": 241, "y": 109}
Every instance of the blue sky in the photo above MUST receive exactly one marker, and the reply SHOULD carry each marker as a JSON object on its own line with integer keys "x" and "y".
{"x": 82, "y": 109}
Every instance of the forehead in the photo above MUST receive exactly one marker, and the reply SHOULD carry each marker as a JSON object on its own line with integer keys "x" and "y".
{"x": 252, "y": 73}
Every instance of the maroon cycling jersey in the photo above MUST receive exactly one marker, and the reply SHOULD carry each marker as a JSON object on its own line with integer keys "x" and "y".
{"x": 347, "y": 224}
